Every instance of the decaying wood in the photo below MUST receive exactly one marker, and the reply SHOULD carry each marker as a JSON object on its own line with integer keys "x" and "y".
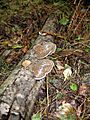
{"x": 18, "y": 92}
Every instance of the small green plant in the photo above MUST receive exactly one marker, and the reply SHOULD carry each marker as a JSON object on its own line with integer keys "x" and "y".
{"x": 73, "y": 87}
{"x": 68, "y": 117}
{"x": 78, "y": 38}
{"x": 87, "y": 49}
{"x": 36, "y": 116}
{"x": 58, "y": 49}
{"x": 66, "y": 112}
{"x": 64, "y": 21}
{"x": 59, "y": 96}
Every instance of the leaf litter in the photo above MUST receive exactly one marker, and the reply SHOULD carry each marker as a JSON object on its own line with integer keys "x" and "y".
{"x": 16, "y": 33}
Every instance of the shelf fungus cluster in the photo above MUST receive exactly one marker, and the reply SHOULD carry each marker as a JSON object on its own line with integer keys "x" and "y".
{"x": 41, "y": 66}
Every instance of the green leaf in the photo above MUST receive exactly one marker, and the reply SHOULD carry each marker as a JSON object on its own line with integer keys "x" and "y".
{"x": 17, "y": 46}
{"x": 59, "y": 96}
{"x": 84, "y": 63}
{"x": 4, "y": 43}
{"x": 53, "y": 81}
{"x": 64, "y": 21}
{"x": 59, "y": 49}
{"x": 67, "y": 66}
{"x": 73, "y": 87}
{"x": 36, "y": 116}
{"x": 15, "y": 28}
{"x": 87, "y": 49}
{"x": 78, "y": 38}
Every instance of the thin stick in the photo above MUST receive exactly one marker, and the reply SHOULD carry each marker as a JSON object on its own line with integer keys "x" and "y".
{"x": 47, "y": 97}
{"x": 47, "y": 92}
{"x": 82, "y": 42}
{"x": 52, "y": 34}
{"x": 75, "y": 1}
{"x": 80, "y": 21}
{"x": 74, "y": 16}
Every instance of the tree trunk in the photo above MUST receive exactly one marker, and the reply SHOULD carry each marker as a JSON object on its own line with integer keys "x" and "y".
{"x": 18, "y": 92}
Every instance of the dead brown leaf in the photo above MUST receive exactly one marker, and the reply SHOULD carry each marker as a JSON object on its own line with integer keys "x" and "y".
{"x": 25, "y": 49}
{"x": 26, "y": 63}
{"x": 82, "y": 89}
{"x": 59, "y": 65}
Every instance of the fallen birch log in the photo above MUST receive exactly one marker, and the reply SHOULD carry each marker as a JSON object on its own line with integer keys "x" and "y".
{"x": 18, "y": 92}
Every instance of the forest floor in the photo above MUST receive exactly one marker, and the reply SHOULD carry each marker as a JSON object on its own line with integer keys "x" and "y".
{"x": 20, "y": 24}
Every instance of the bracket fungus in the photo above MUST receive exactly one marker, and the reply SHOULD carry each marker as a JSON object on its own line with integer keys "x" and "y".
{"x": 44, "y": 49}
{"x": 41, "y": 68}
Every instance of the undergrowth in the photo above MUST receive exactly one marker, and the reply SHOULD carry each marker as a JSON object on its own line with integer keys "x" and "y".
{"x": 20, "y": 22}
